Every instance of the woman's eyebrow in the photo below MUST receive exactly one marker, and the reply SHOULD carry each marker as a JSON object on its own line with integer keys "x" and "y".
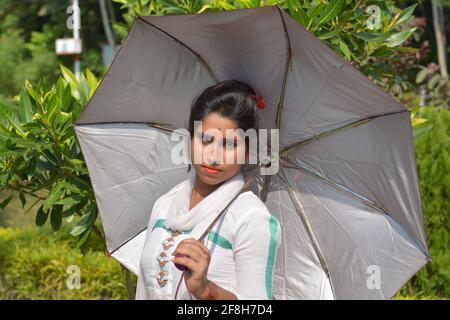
{"x": 224, "y": 138}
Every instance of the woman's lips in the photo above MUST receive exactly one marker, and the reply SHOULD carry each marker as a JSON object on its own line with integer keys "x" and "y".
{"x": 210, "y": 169}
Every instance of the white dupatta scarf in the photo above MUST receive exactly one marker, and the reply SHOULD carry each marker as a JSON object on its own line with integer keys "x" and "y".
{"x": 179, "y": 217}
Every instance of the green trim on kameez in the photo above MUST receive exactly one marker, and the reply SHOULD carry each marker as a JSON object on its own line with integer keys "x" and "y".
{"x": 273, "y": 222}
{"x": 219, "y": 240}
{"x": 161, "y": 223}
{"x": 212, "y": 236}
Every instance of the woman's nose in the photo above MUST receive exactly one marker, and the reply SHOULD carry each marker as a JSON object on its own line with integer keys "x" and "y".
{"x": 213, "y": 154}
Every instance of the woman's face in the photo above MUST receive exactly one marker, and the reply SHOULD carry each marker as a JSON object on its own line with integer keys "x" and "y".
{"x": 214, "y": 155}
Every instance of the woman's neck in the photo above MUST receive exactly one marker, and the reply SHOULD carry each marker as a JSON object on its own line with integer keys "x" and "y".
{"x": 200, "y": 191}
{"x": 203, "y": 189}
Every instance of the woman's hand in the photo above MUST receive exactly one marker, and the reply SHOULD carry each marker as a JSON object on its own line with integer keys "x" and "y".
{"x": 197, "y": 260}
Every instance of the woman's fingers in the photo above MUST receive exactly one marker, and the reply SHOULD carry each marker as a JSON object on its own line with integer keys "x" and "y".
{"x": 193, "y": 251}
{"x": 188, "y": 263}
{"x": 197, "y": 242}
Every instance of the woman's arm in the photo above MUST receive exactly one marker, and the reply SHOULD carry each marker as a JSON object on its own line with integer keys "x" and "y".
{"x": 215, "y": 292}
{"x": 257, "y": 238}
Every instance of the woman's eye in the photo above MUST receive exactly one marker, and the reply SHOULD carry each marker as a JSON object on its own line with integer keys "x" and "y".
{"x": 207, "y": 139}
{"x": 230, "y": 144}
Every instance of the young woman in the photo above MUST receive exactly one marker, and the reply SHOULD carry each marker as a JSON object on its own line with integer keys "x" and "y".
{"x": 236, "y": 259}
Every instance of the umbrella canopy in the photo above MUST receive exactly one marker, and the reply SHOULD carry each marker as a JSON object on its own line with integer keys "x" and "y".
{"x": 346, "y": 193}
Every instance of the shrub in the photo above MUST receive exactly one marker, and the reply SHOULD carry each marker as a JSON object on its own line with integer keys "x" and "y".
{"x": 34, "y": 262}
{"x": 433, "y": 164}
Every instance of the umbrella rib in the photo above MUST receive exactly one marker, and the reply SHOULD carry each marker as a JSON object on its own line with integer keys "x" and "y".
{"x": 351, "y": 193}
{"x": 334, "y": 185}
{"x": 157, "y": 125}
{"x": 300, "y": 210}
{"x": 184, "y": 45}
{"x": 126, "y": 241}
{"x": 329, "y": 132}
{"x": 286, "y": 70}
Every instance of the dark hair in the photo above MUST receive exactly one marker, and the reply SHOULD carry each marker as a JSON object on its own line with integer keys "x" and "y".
{"x": 231, "y": 99}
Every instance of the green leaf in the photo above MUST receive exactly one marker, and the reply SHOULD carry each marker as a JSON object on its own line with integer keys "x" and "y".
{"x": 376, "y": 37}
{"x": 414, "y": 111}
{"x": 83, "y": 238}
{"x": 22, "y": 199}
{"x": 421, "y": 129}
{"x": 83, "y": 90}
{"x": 314, "y": 11}
{"x": 50, "y": 157}
{"x": 66, "y": 99}
{"x": 405, "y": 14}
{"x": 331, "y": 10}
{"x": 70, "y": 78}
{"x": 5, "y": 202}
{"x": 400, "y": 37}
{"x": 204, "y": 8}
{"x": 56, "y": 217}
{"x": 434, "y": 81}
{"x": 71, "y": 210}
{"x": 4, "y": 152}
{"x": 68, "y": 75}
{"x": 77, "y": 162}
{"x": 422, "y": 75}
{"x": 7, "y": 114}
{"x": 41, "y": 217}
{"x": 92, "y": 81}
{"x": 71, "y": 200}
{"x": 86, "y": 222}
{"x": 298, "y": 13}
{"x": 344, "y": 48}
{"x": 330, "y": 34}
{"x": 226, "y": 5}
{"x": 53, "y": 108}
{"x": 53, "y": 196}
{"x": 25, "y": 106}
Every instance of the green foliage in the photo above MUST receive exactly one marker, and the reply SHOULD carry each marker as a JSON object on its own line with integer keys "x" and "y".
{"x": 436, "y": 87}
{"x": 28, "y": 30}
{"x": 34, "y": 265}
{"x": 370, "y": 34}
{"x": 433, "y": 163}
{"x": 26, "y": 56}
{"x": 39, "y": 154}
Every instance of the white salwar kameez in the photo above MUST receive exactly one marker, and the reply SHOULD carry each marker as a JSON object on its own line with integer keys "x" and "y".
{"x": 242, "y": 244}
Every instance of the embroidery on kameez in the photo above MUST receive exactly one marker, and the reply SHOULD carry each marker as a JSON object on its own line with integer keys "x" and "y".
{"x": 163, "y": 275}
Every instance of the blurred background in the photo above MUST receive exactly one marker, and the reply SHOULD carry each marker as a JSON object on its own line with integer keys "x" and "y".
{"x": 53, "y": 54}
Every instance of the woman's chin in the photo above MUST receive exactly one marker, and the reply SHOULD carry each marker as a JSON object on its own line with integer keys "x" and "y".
{"x": 211, "y": 179}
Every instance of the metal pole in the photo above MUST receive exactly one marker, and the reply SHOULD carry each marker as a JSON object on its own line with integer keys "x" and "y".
{"x": 76, "y": 35}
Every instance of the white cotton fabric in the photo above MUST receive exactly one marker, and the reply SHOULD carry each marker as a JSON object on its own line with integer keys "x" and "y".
{"x": 179, "y": 217}
{"x": 243, "y": 259}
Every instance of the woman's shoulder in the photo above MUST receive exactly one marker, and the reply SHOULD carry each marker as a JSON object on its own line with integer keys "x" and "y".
{"x": 248, "y": 207}
{"x": 250, "y": 220}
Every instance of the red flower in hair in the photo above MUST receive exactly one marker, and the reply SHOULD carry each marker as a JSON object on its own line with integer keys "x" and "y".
{"x": 259, "y": 101}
